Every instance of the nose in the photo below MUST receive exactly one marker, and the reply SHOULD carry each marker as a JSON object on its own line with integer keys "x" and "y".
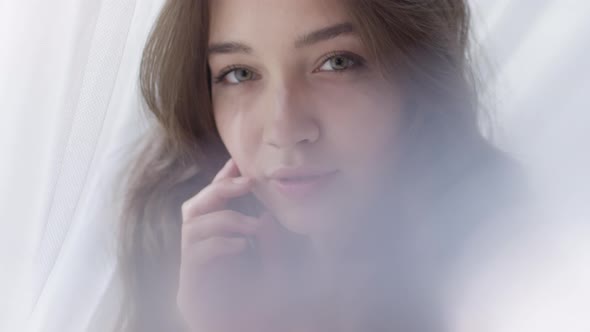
{"x": 290, "y": 120}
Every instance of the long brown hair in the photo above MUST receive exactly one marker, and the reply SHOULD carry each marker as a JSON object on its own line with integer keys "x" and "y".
{"x": 424, "y": 42}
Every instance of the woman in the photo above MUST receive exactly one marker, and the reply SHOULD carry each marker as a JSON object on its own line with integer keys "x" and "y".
{"x": 315, "y": 166}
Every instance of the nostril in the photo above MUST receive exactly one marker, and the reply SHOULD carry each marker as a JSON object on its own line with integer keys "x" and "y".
{"x": 291, "y": 133}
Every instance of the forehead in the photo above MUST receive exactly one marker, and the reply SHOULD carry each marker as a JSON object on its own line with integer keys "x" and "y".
{"x": 251, "y": 20}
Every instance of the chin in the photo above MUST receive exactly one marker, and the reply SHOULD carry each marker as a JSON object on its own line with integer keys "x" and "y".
{"x": 305, "y": 222}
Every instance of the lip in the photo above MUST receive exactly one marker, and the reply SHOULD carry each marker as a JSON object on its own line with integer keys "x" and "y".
{"x": 297, "y": 183}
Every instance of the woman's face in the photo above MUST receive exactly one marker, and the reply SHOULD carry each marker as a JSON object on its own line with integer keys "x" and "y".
{"x": 302, "y": 109}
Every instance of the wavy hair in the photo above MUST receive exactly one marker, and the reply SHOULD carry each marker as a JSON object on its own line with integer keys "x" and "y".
{"x": 424, "y": 42}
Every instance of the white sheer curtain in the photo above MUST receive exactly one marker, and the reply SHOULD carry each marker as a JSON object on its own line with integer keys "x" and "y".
{"x": 69, "y": 104}
{"x": 69, "y": 108}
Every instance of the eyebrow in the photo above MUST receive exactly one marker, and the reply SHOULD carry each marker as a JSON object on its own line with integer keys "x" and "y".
{"x": 229, "y": 47}
{"x": 308, "y": 39}
{"x": 324, "y": 34}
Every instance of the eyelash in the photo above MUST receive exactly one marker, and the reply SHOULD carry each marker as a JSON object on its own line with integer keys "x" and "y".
{"x": 357, "y": 62}
{"x": 226, "y": 71}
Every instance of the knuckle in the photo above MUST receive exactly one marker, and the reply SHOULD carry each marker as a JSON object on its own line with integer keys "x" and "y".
{"x": 185, "y": 208}
{"x": 192, "y": 203}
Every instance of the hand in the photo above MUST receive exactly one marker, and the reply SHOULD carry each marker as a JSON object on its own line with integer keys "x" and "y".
{"x": 217, "y": 282}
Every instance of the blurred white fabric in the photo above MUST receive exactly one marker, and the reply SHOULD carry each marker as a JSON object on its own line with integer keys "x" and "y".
{"x": 70, "y": 109}
{"x": 69, "y": 104}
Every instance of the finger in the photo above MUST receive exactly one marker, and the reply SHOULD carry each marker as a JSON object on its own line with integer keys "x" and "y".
{"x": 211, "y": 249}
{"x": 220, "y": 223}
{"x": 230, "y": 169}
{"x": 214, "y": 196}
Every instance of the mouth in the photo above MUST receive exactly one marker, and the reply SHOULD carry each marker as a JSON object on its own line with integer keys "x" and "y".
{"x": 300, "y": 183}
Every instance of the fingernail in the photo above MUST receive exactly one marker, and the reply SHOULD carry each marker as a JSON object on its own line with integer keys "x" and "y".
{"x": 240, "y": 180}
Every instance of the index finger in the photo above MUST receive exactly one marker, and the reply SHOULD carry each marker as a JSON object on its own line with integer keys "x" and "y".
{"x": 214, "y": 196}
{"x": 230, "y": 169}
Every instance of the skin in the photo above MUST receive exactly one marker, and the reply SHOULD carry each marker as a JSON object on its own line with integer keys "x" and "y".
{"x": 206, "y": 293}
{"x": 284, "y": 103}
{"x": 322, "y": 105}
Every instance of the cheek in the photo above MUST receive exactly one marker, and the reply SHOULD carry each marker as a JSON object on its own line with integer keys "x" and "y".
{"x": 239, "y": 133}
{"x": 363, "y": 126}
{"x": 366, "y": 135}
